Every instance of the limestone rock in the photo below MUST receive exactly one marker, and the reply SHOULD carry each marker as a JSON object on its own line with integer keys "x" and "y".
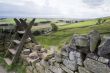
{"x": 47, "y": 56}
{"x": 72, "y": 65}
{"x": 104, "y": 48}
{"x": 29, "y": 69}
{"x": 36, "y": 48}
{"x": 26, "y": 51}
{"x": 94, "y": 37}
{"x": 44, "y": 63}
{"x": 56, "y": 69}
{"x": 29, "y": 45}
{"x": 34, "y": 71}
{"x": 95, "y": 66}
{"x": 83, "y": 70}
{"x": 72, "y": 56}
{"x": 65, "y": 48}
{"x": 81, "y": 40}
{"x": 51, "y": 61}
{"x": 48, "y": 71}
{"x": 64, "y": 53}
{"x": 50, "y": 53}
{"x": 40, "y": 68}
{"x": 103, "y": 60}
{"x": 28, "y": 39}
{"x": 92, "y": 56}
{"x": 33, "y": 57}
{"x": 76, "y": 57}
{"x": 58, "y": 57}
{"x": 79, "y": 61}
{"x": 66, "y": 69}
{"x": 24, "y": 57}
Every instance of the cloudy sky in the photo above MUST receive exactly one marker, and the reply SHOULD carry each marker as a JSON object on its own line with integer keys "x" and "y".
{"x": 55, "y": 8}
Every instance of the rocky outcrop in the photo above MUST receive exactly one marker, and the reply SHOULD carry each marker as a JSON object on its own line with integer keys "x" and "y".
{"x": 85, "y": 54}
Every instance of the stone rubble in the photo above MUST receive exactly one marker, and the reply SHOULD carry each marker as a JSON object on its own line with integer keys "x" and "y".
{"x": 85, "y": 54}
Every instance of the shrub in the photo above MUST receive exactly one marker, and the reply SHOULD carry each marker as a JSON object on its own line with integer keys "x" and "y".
{"x": 100, "y": 21}
{"x": 54, "y": 27}
{"x": 45, "y": 22}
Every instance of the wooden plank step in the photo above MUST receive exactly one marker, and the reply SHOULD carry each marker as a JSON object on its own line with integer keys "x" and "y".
{"x": 8, "y": 61}
{"x": 16, "y": 41}
{"x": 21, "y": 32}
{"x": 13, "y": 51}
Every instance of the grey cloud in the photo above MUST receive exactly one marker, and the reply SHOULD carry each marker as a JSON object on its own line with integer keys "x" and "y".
{"x": 94, "y": 2}
{"x": 55, "y": 8}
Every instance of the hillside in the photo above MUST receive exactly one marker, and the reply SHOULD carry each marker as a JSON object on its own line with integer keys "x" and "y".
{"x": 65, "y": 32}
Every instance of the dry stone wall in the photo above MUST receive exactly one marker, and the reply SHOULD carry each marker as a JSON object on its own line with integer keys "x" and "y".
{"x": 85, "y": 54}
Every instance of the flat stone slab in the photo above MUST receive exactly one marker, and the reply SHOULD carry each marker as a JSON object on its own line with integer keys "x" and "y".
{"x": 95, "y": 66}
{"x": 83, "y": 70}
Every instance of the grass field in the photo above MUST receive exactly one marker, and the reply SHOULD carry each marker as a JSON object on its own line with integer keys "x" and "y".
{"x": 65, "y": 32}
{"x": 11, "y": 21}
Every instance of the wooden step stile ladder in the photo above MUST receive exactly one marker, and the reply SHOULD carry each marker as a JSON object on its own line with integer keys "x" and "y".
{"x": 13, "y": 54}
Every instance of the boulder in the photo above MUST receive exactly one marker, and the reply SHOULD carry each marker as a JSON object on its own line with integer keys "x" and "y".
{"x": 95, "y": 66}
{"x": 48, "y": 71}
{"x": 47, "y": 56}
{"x": 80, "y": 40}
{"x": 50, "y": 53}
{"x": 36, "y": 48}
{"x": 51, "y": 61}
{"x": 56, "y": 69}
{"x": 66, "y": 69}
{"x": 76, "y": 57}
{"x": 66, "y": 48}
{"x": 72, "y": 56}
{"x": 103, "y": 60}
{"x": 104, "y": 47}
{"x": 24, "y": 57}
{"x": 29, "y": 45}
{"x": 44, "y": 63}
{"x": 83, "y": 70}
{"x": 28, "y": 40}
{"x": 94, "y": 38}
{"x": 92, "y": 56}
{"x": 33, "y": 57}
{"x": 40, "y": 68}
{"x": 81, "y": 43}
{"x": 26, "y": 51}
{"x": 72, "y": 65}
{"x": 58, "y": 57}
{"x": 64, "y": 53}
